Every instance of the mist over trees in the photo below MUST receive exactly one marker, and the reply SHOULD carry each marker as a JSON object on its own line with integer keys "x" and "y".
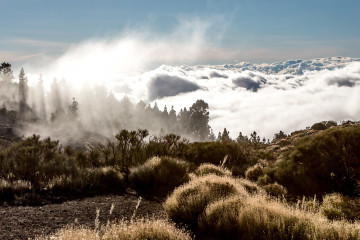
{"x": 57, "y": 110}
{"x": 94, "y": 110}
{"x": 6, "y": 73}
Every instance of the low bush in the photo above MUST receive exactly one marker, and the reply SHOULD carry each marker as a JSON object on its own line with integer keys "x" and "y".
{"x": 188, "y": 201}
{"x": 159, "y": 175}
{"x": 99, "y": 180}
{"x": 319, "y": 126}
{"x": 220, "y": 220}
{"x": 9, "y": 190}
{"x": 276, "y": 190}
{"x": 238, "y": 154}
{"x": 264, "y": 180}
{"x": 254, "y": 172}
{"x": 36, "y": 161}
{"x": 336, "y": 206}
{"x": 208, "y": 168}
{"x": 324, "y": 163}
{"x": 105, "y": 179}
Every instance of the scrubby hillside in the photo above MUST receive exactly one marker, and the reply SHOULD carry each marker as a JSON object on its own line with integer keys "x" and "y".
{"x": 301, "y": 186}
{"x": 315, "y": 161}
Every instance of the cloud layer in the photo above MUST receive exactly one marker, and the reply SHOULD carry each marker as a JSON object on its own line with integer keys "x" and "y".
{"x": 281, "y": 96}
{"x": 244, "y": 97}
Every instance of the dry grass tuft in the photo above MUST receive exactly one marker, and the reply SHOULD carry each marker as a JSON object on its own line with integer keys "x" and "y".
{"x": 188, "y": 201}
{"x": 124, "y": 230}
{"x": 208, "y": 168}
{"x": 251, "y": 187}
{"x": 256, "y": 217}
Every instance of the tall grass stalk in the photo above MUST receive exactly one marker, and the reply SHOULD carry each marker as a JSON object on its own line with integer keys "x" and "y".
{"x": 135, "y": 210}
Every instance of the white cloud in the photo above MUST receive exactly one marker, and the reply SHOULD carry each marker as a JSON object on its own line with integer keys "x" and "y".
{"x": 286, "y": 100}
{"x": 244, "y": 97}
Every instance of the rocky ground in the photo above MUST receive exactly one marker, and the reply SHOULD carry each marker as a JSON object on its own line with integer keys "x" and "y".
{"x": 24, "y": 222}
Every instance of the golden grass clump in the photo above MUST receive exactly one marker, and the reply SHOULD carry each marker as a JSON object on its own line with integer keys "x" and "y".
{"x": 159, "y": 175}
{"x": 16, "y": 186}
{"x": 124, "y": 230}
{"x": 251, "y": 187}
{"x": 146, "y": 229}
{"x": 255, "y": 217}
{"x": 188, "y": 201}
{"x": 276, "y": 190}
{"x": 208, "y": 168}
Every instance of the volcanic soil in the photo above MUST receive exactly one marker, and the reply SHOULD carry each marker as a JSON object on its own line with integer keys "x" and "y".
{"x": 24, "y": 222}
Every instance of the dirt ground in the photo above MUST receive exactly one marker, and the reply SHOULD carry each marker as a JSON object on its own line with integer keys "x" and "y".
{"x": 24, "y": 222}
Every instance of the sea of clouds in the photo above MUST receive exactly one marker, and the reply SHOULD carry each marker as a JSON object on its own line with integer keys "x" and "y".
{"x": 246, "y": 97}
{"x": 242, "y": 96}
{"x": 265, "y": 98}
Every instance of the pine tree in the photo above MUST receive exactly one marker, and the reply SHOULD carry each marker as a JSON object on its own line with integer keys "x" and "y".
{"x": 41, "y": 97}
{"x": 173, "y": 124}
{"x": 212, "y": 136}
{"x": 165, "y": 119}
{"x": 184, "y": 121}
{"x": 23, "y": 92}
{"x": 225, "y": 136}
{"x": 242, "y": 138}
{"x": 73, "y": 109}
{"x": 278, "y": 136}
{"x": 199, "y": 120}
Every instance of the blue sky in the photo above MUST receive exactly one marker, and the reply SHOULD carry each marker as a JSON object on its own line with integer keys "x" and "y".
{"x": 255, "y": 31}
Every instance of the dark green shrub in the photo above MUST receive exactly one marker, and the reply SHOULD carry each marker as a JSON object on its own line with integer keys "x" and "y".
{"x": 105, "y": 179}
{"x": 9, "y": 190}
{"x": 327, "y": 162}
{"x": 330, "y": 124}
{"x": 68, "y": 185}
{"x": 34, "y": 160}
{"x": 319, "y": 126}
{"x": 264, "y": 180}
{"x": 98, "y": 180}
{"x": 238, "y": 154}
{"x": 335, "y": 207}
{"x": 159, "y": 175}
{"x": 276, "y": 190}
{"x": 254, "y": 172}
{"x": 169, "y": 145}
